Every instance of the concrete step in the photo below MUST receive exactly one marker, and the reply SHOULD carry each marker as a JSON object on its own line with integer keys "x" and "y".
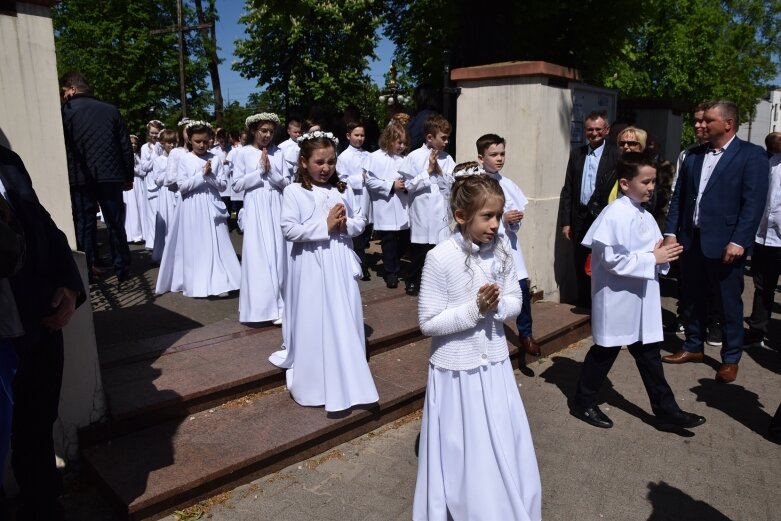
{"x": 152, "y": 471}
{"x": 178, "y": 374}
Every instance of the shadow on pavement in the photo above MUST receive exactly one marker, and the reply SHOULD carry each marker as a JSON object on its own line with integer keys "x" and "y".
{"x": 736, "y": 402}
{"x": 672, "y": 504}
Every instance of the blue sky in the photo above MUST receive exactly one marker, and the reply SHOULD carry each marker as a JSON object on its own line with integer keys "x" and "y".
{"x": 234, "y": 87}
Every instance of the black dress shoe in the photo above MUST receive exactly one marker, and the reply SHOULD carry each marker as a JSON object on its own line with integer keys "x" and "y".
{"x": 680, "y": 419}
{"x": 392, "y": 282}
{"x": 411, "y": 289}
{"x": 593, "y": 416}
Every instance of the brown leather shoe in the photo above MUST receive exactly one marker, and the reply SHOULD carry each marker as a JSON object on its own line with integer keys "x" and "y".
{"x": 681, "y": 357}
{"x": 530, "y": 346}
{"x": 727, "y": 373}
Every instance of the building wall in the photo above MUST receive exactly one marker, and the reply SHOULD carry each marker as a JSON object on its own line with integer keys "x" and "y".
{"x": 31, "y": 125}
{"x": 755, "y": 130}
{"x": 534, "y": 118}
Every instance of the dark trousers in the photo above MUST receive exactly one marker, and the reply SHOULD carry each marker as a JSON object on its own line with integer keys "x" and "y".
{"x": 36, "y": 391}
{"x": 418, "y": 253}
{"x": 8, "y": 363}
{"x": 582, "y": 279}
{"x": 698, "y": 275}
{"x": 524, "y": 320}
{"x": 597, "y": 365}
{"x": 393, "y": 243}
{"x": 360, "y": 243}
{"x": 765, "y": 269}
{"x": 84, "y": 200}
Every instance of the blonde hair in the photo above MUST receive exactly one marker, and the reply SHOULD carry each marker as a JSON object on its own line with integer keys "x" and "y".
{"x": 640, "y": 135}
{"x": 390, "y": 134}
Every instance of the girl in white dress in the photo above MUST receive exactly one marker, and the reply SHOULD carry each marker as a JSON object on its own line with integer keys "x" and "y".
{"x": 132, "y": 216}
{"x": 257, "y": 172}
{"x": 323, "y": 330}
{"x": 149, "y": 152}
{"x": 390, "y": 202}
{"x": 163, "y": 197}
{"x": 476, "y": 458}
{"x": 209, "y": 265}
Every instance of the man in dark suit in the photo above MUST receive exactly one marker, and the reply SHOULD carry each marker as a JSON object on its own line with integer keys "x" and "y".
{"x": 590, "y": 176}
{"x": 47, "y": 289}
{"x": 714, "y": 213}
{"x": 100, "y": 167}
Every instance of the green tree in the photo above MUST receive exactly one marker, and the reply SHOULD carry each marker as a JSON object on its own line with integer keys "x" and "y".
{"x": 111, "y": 43}
{"x": 310, "y": 52}
{"x": 697, "y": 50}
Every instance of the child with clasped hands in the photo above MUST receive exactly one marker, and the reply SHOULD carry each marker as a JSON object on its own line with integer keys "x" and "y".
{"x": 628, "y": 255}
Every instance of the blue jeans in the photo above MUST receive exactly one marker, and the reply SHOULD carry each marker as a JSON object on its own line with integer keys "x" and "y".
{"x": 8, "y": 363}
{"x": 524, "y": 320}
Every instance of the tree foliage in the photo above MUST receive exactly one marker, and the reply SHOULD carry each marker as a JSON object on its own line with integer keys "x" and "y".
{"x": 310, "y": 52}
{"x": 696, "y": 50}
{"x": 111, "y": 44}
{"x": 685, "y": 50}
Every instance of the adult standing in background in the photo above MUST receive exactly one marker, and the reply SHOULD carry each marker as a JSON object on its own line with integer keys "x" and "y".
{"x": 46, "y": 290}
{"x": 715, "y": 211}
{"x": 100, "y": 167}
{"x": 588, "y": 175}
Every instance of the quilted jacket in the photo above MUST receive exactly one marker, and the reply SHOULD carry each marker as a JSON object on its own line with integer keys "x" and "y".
{"x": 97, "y": 142}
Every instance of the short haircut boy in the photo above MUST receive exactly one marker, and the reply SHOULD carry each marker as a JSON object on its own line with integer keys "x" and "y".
{"x": 293, "y": 122}
{"x": 436, "y": 124}
{"x": 485, "y": 141}
{"x": 628, "y": 165}
{"x": 168, "y": 136}
{"x": 353, "y": 125}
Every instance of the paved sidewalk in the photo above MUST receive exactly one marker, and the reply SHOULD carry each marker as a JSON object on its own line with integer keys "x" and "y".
{"x": 723, "y": 470}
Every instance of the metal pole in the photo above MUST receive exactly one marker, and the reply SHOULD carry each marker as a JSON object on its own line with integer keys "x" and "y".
{"x": 181, "y": 57}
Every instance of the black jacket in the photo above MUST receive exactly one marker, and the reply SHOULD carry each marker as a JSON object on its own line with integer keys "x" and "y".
{"x": 97, "y": 142}
{"x": 48, "y": 262}
{"x": 570, "y": 211}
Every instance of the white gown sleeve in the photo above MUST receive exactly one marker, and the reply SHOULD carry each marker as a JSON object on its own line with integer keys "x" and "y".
{"x": 246, "y": 177}
{"x": 291, "y": 223}
{"x": 618, "y": 261}
{"x": 188, "y": 181}
{"x": 511, "y": 298}
{"x": 434, "y": 316}
{"x": 356, "y": 221}
{"x": 217, "y": 177}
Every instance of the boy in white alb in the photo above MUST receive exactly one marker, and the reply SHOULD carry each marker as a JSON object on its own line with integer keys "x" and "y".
{"x": 428, "y": 175}
{"x": 294, "y": 132}
{"x": 350, "y": 168}
{"x": 389, "y": 199}
{"x": 491, "y": 153}
{"x": 627, "y": 257}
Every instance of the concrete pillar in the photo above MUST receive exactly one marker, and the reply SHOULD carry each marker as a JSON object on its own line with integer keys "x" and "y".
{"x": 531, "y": 105}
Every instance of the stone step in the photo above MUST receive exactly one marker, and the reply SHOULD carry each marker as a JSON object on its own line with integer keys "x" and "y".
{"x": 178, "y": 374}
{"x": 151, "y": 472}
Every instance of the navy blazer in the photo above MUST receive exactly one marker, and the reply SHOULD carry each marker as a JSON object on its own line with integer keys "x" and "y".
{"x": 48, "y": 262}
{"x": 732, "y": 203}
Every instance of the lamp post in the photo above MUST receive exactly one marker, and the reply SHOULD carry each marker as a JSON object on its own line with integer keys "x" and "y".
{"x": 392, "y": 94}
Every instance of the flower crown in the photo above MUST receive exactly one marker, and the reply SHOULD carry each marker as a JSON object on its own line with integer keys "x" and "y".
{"x": 155, "y": 123}
{"x": 185, "y": 120}
{"x": 317, "y": 134}
{"x": 263, "y": 116}
{"x": 472, "y": 170}
{"x": 197, "y": 123}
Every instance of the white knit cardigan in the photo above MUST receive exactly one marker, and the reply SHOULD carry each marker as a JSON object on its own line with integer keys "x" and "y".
{"x": 463, "y": 339}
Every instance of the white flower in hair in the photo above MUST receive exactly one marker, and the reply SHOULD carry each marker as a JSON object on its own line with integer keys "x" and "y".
{"x": 472, "y": 170}
{"x": 263, "y": 116}
{"x": 317, "y": 134}
{"x": 197, "y": 123}
{"x": 183, "y": 121}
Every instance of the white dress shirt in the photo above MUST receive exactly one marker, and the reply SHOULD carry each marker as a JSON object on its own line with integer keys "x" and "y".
{"x": 769, "y": 232}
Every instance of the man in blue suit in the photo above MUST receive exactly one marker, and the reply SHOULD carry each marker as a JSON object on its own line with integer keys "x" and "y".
{"x": 714, "y": 213}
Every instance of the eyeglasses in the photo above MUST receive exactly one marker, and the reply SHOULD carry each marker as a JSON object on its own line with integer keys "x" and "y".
{"x": 629, "y": 143}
